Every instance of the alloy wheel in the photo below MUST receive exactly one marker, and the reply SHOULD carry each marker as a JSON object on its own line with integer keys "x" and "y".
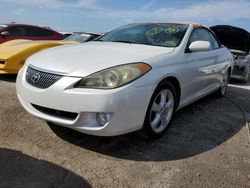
{"x": 246, "y": 77}
{"x": 225, "y": 83}
{"x": 161, "y": 110}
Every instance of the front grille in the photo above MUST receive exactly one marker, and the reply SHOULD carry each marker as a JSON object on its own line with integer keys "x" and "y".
{"x": 56, "y": 113}
{"x": 2, "y": 62}
{"x": 41, "y": 79}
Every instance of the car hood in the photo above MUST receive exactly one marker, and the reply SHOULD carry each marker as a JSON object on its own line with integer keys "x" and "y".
{"x": 81, "y": 60}
{"x": 233, "y": 37}
{"x": 14, "y": 47}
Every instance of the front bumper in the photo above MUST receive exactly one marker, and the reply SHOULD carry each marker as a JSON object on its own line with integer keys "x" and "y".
{"x": 125, "y": 106}
{"x": 10, "y": 66}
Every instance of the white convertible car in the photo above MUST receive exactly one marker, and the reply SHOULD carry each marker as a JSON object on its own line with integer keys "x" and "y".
{"x": 134, "y": 77}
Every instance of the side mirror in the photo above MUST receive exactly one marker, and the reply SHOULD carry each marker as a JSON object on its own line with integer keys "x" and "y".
{"x": 199, "y": 46}
{"x": 5, "y": 34}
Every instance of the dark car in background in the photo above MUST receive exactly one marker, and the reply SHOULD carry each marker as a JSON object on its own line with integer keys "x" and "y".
{"x": 22, "y": 31}
{"x": 238, "y": 41}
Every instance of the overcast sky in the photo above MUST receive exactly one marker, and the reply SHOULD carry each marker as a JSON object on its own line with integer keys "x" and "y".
{"x": 104, "y": 15}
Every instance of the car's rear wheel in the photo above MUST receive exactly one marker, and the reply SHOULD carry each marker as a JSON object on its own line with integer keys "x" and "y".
{"x": 246, "y": 77}
{"x": 224, "y": 85}
{"x": 160, "y": 110}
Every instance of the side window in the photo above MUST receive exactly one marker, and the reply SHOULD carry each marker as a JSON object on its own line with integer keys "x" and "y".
{"x": 18, "y": 31}
{"x": 200, "y": 35}
{"x": 214, "y": 42}
{"x": 39, "y": 32}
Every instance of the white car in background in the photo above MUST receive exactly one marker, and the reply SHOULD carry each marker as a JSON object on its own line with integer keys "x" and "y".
{"x": 237, "y": 40}
{"x": 134, "y": 77}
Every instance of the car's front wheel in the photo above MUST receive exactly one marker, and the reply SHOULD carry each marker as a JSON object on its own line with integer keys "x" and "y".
{"x": 160, "y": 110}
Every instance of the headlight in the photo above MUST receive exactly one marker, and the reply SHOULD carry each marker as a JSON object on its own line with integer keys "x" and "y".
{"x": 114, "y": 77}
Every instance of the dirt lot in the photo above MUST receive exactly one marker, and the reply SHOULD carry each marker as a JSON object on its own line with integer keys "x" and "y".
{"x": 205, "y": 147}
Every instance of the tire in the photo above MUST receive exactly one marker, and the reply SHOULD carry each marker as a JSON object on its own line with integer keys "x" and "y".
{"x": 160, "y": 110}
{"x": 245, "y": 78}
{"x": 221, "y": 92}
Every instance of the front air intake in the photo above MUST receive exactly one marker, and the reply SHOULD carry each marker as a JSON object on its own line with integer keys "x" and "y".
{"x": 56, "y": 113}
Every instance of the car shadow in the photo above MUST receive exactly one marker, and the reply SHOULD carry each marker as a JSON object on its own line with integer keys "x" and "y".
{"x": 8, "y": 77}
{"x": 196, "y": 128}
{"x": 20, "y": 170}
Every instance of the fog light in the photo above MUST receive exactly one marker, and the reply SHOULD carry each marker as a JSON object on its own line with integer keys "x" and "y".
{"x": 101, "y": 119}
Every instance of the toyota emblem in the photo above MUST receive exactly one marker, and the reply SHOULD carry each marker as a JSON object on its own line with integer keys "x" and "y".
{"x": 35, "y": 77}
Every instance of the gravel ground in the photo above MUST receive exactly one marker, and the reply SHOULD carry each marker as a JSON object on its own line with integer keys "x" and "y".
{"x": 206, "y": 146}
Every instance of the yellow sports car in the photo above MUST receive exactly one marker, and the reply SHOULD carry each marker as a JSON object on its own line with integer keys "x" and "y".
{"x": 14, "y": 53}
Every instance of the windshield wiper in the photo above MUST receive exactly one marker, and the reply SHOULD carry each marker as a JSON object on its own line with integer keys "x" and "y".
{"x": 123, "y": 41}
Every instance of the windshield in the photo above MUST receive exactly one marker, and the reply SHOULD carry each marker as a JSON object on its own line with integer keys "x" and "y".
{"x": 156, "y": 34}
{"x": 78, "y": 37}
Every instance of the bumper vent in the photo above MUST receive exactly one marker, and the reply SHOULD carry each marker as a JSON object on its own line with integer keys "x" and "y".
{"x": 41, "y": 79}
{"x": 2, "y": 62}
{"x": 56, "y": 113}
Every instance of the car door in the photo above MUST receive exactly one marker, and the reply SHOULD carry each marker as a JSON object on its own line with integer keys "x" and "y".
{"x": 200, "y": 66}
{"x": 220, "y": 65}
